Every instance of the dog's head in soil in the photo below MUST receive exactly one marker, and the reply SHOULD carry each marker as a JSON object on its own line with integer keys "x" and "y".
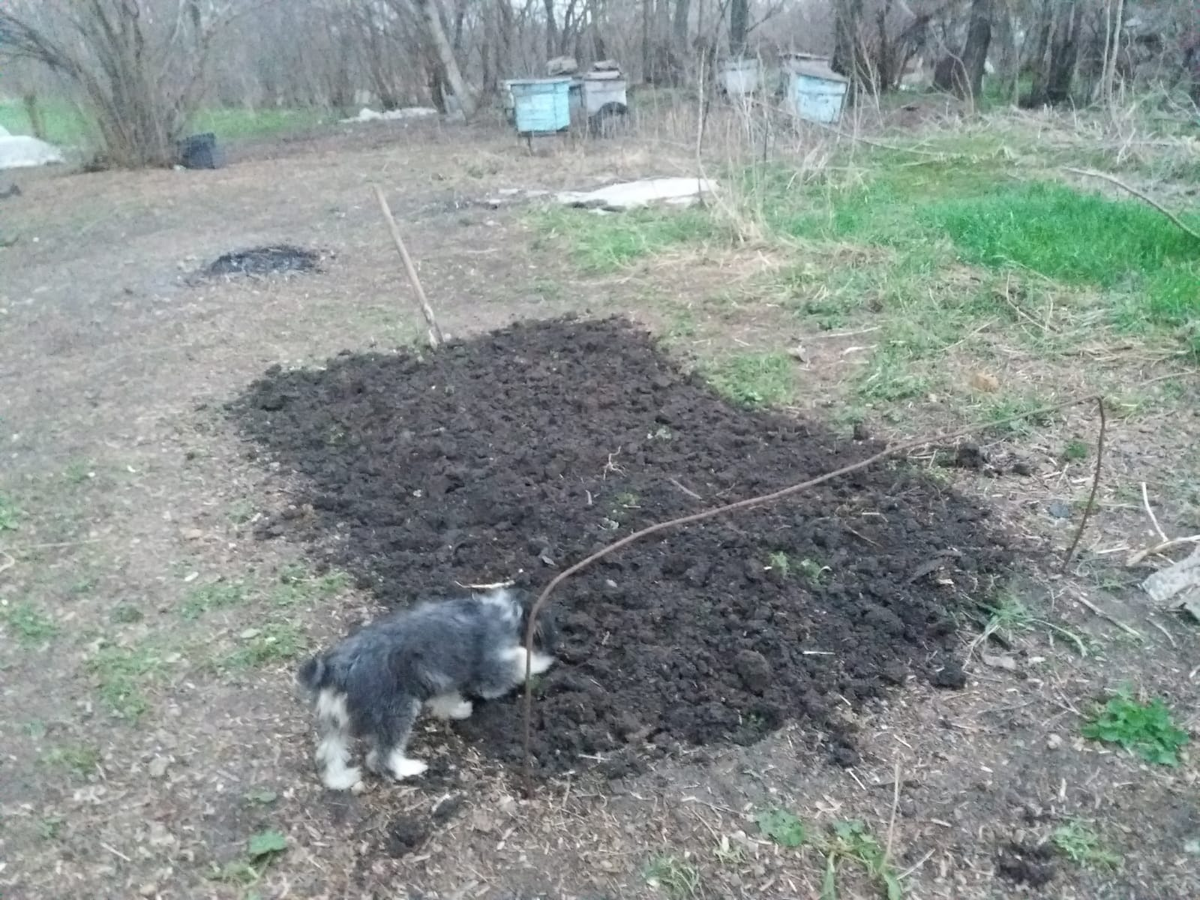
{"x": 436, "y": 655}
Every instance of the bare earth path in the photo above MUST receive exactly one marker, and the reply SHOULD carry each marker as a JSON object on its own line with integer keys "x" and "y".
{"x": 147, "y": 718}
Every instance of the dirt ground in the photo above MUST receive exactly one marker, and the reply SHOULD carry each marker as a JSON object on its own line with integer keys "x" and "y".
{"x": 154, "y": 745}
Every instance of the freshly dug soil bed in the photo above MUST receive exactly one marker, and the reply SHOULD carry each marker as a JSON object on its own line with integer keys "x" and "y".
{"x": 516, "y": 454}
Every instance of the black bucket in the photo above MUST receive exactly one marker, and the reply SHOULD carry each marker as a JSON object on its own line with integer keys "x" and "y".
{"x": 200, "y": 151}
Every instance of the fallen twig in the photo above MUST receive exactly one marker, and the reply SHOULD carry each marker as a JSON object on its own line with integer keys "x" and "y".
{"x": 764, "y": 500}
{"x": 1129, "y": 630}
{"x": 1159, "y": 548}
{"x": 686, "y": 490}
{"x": 1153, "y": 518}
{"x": 1175, "y": 220}
{"x": 435, "y": 333}
{"x": 10, "y": 562}
{"x": 1087, "y": 512}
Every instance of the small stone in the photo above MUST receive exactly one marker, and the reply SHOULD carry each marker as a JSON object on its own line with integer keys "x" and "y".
{"x": 148, "y": 890}
{"x": 250, "y": 633}
{"x": 860, "y": 432}
{"x": 1053, "y": 741}
{"x": 1058, "y": 509}
{"x": 1000, "y": 661}
{"x": 158, "y": 766}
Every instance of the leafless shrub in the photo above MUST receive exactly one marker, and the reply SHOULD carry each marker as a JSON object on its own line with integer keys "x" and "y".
{"x": 136, "y": 67}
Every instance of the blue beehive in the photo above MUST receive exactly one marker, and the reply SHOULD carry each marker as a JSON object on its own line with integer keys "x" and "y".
{"x": 542, "y": 105}
{"x": 817, "y": 93}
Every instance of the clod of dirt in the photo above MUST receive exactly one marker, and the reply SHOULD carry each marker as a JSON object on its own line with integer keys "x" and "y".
{"x": 457, "y": 467}
{"x": 754, "y": 670}
{"x": 950, "y": 676}
{"x": 1026, "y": 864}
{"x": 405, "y": 834}
{"x": 260, "y": 261}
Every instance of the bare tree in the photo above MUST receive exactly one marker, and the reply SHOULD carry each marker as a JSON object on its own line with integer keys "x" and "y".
{"x": 962, "y": 73}
{"x": 432, "y": 11}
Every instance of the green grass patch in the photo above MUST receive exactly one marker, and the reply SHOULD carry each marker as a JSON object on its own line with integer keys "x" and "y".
{"x": 29, "y": 625}
{"x": 890, "y": 379}
{"x": 1015, "y": 415}
{"x": 606, "y": 243}
{"x": 275, "y": 642}
{"x": 216, "y": 595}
{"x": 1147, "y": 729}
{"x": 65, "y": 125}
{"x": 675, "y": 877}
{"x": 297, "y": 587}
{"x": 1062, "y": 233}
{"x": 123, "y": 674}
{"x": 80, "y": 760}
{"x": 755, "y": 379}
{"x": 232, "y": 124}
{"x": 1080, "y": 844}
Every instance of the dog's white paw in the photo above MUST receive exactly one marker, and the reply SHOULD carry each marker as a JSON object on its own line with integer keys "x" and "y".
{"x": 461, "y": 710}
{"x": 450, "y": 706}
{"x": 402, "y": 767}
{"x": 344, "y": 779}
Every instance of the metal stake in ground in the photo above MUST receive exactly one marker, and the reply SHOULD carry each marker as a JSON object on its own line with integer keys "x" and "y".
{"x": 435, "y": 333}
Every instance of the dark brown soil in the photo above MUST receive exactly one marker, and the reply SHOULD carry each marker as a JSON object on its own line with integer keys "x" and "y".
{"x": 518, "y": 453}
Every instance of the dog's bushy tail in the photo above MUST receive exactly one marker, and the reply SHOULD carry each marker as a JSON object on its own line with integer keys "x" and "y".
{"x": 314, "y": 673}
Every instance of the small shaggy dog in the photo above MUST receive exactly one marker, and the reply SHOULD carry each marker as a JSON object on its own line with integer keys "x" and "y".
{"x": 374, "y": 683}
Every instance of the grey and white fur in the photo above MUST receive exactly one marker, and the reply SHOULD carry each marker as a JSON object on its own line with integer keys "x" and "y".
{"x": 438, "y": 654}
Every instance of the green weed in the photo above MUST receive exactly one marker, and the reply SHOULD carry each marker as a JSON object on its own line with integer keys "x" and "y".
{"x": 125, "y": 614}
{"x": 782, "y": 827}
{"x": 851, "y": 841}
{"x": 755, "y": 379}
{"x": 1076, "y": 450}
{"x": 50, "y": 827}
{"x": 678, "y": 878}
{"x": 1007, "y": 615}
{"x": 123, "y": 673}
{"x": 31, "y": 626}
{"x": 1080, "y": 844}
{"x": 10, "y": 515}
{"x": 79, "y": 471}
{"x": 1145, "y": 728}
{"x": 261, "y": 850}
{"x": 779, "y": 562}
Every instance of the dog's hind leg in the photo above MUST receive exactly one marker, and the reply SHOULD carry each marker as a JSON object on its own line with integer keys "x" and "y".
{"x": 390, "y": 737}
{"x": 333, "y": 749}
